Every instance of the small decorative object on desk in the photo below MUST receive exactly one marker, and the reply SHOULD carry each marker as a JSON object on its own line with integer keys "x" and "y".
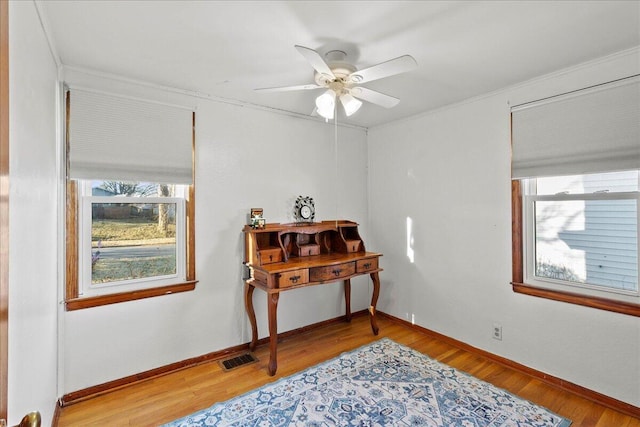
{"x": 304, "y": 209}
{"x": 257, "y": 221}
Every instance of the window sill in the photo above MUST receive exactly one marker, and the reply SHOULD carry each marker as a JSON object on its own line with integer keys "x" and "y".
{"x": 572, "y": 298}
{"x": 96, "y": 301}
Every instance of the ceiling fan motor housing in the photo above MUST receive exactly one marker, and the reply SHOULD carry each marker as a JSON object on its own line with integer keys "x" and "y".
{"x": 340, "y": 69}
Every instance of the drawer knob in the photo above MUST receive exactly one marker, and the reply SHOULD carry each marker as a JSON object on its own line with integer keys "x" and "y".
{"x": 367, "y": 265}
{"x": 294, "y": 279}
{"x": 337, "y": 272}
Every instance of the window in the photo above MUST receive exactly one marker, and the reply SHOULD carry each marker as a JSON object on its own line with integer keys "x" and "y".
{"x": 115, "y": 249}
{"x": 581, "y": 233}
{"x": 130, "y": 230}
{"x": 131, "y": 235}
{"x": 575, "y": 196}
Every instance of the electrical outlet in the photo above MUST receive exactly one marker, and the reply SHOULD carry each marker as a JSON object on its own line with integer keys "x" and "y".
{"x": 497, "y": 331}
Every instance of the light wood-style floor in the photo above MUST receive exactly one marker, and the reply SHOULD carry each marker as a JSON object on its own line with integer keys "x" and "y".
{"x": 172, "y": 396}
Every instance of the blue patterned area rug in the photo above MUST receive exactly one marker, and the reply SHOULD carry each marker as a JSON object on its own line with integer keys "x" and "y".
{"x": 380, "y": 384}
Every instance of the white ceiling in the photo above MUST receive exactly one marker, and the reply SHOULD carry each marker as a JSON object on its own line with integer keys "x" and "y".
{"x": 226, "y": 49}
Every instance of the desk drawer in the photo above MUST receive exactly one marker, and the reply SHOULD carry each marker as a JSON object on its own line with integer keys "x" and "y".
{"x": 260, "y": 276}
{"x": 332, "y": 272}
{"x": 365, "y": 265}
{"x": 269, "y": 256}
{"x": 293, "y": 278}
{"x": 307, "y": 250}
{"x": 352, "y": 245}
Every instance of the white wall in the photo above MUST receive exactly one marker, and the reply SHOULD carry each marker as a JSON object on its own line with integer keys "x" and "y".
{"x": 33, "y": 256}
{"x": 453, "y": 166}
{"x": 447, "y": 170}
{"x": 244, "y": 158}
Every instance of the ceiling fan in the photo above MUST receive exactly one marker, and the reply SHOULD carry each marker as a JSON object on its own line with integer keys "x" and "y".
{"x": 342, "y": 79}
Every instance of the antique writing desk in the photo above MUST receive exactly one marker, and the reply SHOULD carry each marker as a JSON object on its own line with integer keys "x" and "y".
{"x": 282, "y": 257}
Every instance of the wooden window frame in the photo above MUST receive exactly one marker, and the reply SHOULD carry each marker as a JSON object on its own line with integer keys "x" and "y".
{"x": 73, "y": 300}
{"x": 518, "y": 285}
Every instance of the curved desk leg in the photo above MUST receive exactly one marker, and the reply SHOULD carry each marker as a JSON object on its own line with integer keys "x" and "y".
{"x": 272, "y": 302}
{"x": 347, "y": 299}
{"x": 248, "y": 304}
{"x": 374, "y": 301}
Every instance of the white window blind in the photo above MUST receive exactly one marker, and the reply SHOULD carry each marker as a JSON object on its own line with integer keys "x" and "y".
{"x": 113, "y": 137}
{"x": 589, "y": 131}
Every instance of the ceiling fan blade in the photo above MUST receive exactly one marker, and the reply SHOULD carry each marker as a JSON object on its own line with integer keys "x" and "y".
{"x": 392, "y": 67}
{"x": 289, "y": 88}
{"x": 316, "y": 61}
{"x": 374, "y": 97}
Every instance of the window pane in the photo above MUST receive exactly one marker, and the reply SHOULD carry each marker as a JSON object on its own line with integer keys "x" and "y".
{"x": 132, "y": 189}
{"x": 588, "y": 241}
{"x": 132, "y": 241}
{"x": 585, "y": 184}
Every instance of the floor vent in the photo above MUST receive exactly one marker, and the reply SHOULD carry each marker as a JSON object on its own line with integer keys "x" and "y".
{"x": 237, "y": 361}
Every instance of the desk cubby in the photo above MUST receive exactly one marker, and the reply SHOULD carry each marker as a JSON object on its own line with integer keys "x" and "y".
{"x": 277, "y": 243}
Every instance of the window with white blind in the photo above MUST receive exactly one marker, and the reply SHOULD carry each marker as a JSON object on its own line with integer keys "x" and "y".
{"x": 130, "y": 199}
{"x": 576, "y": 197}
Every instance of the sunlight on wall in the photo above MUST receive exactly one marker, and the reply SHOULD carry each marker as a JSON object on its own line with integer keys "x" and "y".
{"x": 410, "y": 317}
{"x": 410, "y": 252}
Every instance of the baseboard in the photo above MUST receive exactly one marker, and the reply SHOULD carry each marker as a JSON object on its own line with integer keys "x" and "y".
{"x": 56, "y": 416}
{"x": 100, "y": 389}
{"x": 584, "y": 392}
{"x": 609, "y": 402}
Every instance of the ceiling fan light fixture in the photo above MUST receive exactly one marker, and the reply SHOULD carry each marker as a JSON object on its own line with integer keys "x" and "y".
{"x": 350, "y": 104}
{"x": 326, "y": 104}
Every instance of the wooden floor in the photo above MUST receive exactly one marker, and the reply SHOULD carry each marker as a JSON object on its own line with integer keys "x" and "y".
{"x": 172, "y": 396}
